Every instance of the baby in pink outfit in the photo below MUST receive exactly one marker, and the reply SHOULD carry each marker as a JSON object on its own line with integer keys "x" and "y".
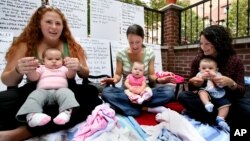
{"x": 52, "y": 88}
{"x": 136, "y": 86}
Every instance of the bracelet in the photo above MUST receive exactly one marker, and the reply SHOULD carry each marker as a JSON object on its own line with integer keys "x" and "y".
{"x": 234, "y": 84}
{"x": 17, "y": 71}
{"x": 80, "y": 66}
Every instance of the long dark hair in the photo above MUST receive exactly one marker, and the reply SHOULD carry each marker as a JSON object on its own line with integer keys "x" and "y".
{"x": 221, "y": 39}
{"x": 136, "y": 30}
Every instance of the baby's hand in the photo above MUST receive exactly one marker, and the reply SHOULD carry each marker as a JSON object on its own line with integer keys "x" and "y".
{"x": 134, "y": 90}
{"x": 205, "y": 75}
{"x": 212, "y": 75}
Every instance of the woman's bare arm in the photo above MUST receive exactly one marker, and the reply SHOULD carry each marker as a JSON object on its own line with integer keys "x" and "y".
{"x": 11, "y": 76}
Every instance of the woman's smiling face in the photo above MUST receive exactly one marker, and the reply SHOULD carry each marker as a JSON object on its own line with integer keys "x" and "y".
{"x": 207, "y": 47}
{"x": 51, "y": 26}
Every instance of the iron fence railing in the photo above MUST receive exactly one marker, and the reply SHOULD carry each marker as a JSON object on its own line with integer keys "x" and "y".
{"x": 153, "y": 21}
{"x": 234, "y": 14}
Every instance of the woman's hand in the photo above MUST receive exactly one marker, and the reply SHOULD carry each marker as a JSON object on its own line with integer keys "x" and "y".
{"x": 223, "y": 81}
{"x": 107, "y": 81}
{"x": 196, "y": 81}
{"x": 166, "y": 79}
{"x": 72, "y": 63}
{"x": 26, "y": 65}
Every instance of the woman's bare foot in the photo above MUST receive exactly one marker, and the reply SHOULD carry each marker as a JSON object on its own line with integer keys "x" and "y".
{"x": 18, "y": 134}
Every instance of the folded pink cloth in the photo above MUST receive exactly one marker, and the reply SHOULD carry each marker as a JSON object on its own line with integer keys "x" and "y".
{"x": 179, "y": 79}
{"x": 101, "y": 116}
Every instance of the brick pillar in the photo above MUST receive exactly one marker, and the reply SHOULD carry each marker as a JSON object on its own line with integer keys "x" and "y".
{"x": 170, "y": 35}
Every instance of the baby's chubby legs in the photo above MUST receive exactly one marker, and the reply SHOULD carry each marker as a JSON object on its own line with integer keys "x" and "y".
{"x": 133, "y": 97}
{"x": 222, "y": 114}
{"x": 145, "y": 96}
{"x": 205, "y": 100}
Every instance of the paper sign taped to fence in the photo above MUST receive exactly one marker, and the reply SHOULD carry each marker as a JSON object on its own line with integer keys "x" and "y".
{"x": 6, "y": 39}
{"x": 98, "y": 56}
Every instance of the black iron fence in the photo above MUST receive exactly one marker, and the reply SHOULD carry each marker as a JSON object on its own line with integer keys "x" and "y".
{"x": 233, "y": 14}
{"x": 153, "y": 21}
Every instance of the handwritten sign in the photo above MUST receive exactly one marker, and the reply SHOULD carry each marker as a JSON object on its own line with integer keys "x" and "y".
{"x": 115, "y": 47}
{"x": 158, "y": 59}
{"x": 15, "y": 14}
{"x": 131, "y": 14}
{"x": 76, "y": 14}
{"x": 6, "y": 39}
{"x": 98, "y": 56}
{"x": 104, "y": 19}
{"x": 109, "y": 21}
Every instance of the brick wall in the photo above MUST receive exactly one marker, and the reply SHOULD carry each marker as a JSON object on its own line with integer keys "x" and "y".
{"x": 178, "y": 58}
{"x": 170, "y": 36}
{"x": 243, "y": 51}
{"x": 183, "y": 58}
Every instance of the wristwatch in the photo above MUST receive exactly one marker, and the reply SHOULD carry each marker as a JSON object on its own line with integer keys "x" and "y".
{"x": 234, "y": 85}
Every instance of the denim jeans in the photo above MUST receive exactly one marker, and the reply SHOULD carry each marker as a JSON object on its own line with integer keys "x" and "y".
{"x": 119, "y": 100}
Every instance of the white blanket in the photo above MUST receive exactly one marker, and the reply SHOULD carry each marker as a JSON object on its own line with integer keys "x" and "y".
{"x": 177, "y": 125}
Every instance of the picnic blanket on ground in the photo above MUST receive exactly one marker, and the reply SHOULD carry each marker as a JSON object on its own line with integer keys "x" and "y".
{"x": 210, "y": 133}
{"x": 128, "y": 129}
{"x": 124, "y": 129}
{"x": 171, "y": 121}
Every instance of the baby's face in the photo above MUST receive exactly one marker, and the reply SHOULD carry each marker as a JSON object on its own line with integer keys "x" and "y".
{"x": 138, "y": 70}
{"x": 208, "y": 67}
{"x": 53, "y": 59}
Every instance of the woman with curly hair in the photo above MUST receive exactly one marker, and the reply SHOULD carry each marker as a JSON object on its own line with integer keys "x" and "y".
{"x": 215, "y": 41}
{"x": 47, "y": 28}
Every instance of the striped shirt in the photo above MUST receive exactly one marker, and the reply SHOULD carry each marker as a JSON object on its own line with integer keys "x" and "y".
{"x": 122, "y": 56}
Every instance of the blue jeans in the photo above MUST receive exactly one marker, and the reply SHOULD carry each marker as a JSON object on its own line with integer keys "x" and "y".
{"x": 120, "y": 102}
